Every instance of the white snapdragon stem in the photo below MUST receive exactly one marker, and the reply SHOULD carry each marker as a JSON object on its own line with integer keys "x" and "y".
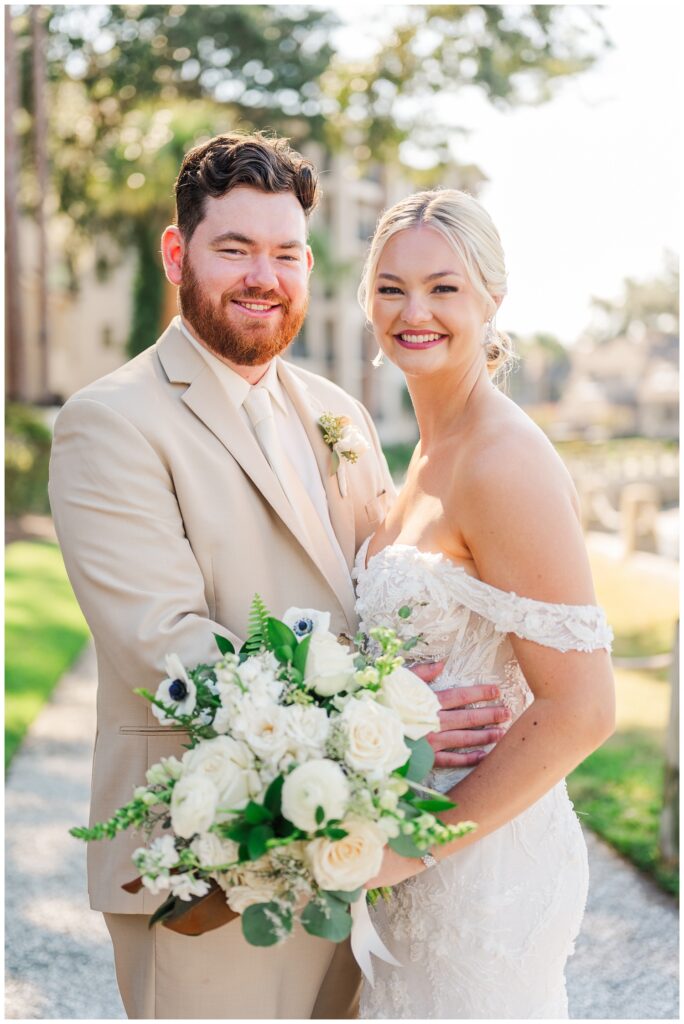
{"x": 366, "y": 941}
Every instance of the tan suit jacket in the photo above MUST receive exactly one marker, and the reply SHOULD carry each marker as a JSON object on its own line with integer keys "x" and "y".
{"x": 170, "y": 520}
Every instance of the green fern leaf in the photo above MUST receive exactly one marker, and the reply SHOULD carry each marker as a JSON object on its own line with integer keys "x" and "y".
{"x": 257, "y": 629}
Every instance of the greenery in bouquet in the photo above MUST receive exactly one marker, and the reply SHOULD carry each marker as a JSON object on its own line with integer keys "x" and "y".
{"x": 306, "y": 757}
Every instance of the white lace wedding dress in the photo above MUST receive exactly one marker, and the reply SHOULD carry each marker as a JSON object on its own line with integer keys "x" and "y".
{"x": 486, "y": 933}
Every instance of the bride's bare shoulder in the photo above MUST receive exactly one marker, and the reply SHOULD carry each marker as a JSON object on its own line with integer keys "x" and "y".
{"x": 510, "y": 458}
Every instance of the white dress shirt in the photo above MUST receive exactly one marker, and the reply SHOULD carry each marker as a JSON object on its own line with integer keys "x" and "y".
{"x": 288, "y": 424}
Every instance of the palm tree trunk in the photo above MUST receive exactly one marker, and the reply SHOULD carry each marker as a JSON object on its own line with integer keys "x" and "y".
{"x": 40, "y": 148}
{"x": 15, "y": 371}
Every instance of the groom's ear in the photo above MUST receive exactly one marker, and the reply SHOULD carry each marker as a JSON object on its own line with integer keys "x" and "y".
{"x": 309, "y": 259}
{"x": 172, "y": 253}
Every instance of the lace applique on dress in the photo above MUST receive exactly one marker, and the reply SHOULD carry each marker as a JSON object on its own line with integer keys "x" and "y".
{"x": 447, "y": 592}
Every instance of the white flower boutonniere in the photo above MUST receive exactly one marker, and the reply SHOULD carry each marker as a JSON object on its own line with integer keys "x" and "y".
{"x": 345, "y": 442}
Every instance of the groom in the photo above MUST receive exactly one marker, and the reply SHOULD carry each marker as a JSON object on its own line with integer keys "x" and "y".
{"x": 183, "y": 483}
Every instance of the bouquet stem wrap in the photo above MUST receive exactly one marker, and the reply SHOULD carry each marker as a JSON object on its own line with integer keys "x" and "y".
{"x": 365, "y": 941}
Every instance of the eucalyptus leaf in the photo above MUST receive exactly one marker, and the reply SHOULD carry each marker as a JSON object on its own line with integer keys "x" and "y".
{"x": 404, "y": 612}
{"x": 346, "y": 897}
{"x": 421, "y": 760}
{"x": 327, "y": 917}
{"x": 265, "y": 924}
{"x": 405, "y": 846}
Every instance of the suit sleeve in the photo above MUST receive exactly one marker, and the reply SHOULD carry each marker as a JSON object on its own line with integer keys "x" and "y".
{"x": 129, "y": 561}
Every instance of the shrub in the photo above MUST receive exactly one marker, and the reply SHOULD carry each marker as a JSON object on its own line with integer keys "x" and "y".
{"x": 27, "y": 456}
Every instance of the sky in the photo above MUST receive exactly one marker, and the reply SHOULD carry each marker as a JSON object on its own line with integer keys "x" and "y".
{"x": 584, "y": 190}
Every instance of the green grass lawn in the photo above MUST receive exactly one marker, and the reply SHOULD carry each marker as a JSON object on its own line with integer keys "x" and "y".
{"x": 44, "y": 631}
{"x": 618, "y": 789}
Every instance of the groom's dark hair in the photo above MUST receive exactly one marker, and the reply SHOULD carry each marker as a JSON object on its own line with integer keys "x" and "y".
{"x": 226, "y": 161}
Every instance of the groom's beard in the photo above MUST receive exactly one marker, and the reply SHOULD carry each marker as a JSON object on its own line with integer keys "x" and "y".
{"x": 249, "y": 343}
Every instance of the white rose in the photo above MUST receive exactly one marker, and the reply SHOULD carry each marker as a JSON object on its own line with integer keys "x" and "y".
{"x": 193, "y": 805}
{"x": 375, "y": 738}
{"x": 413, "y": 700}
{"x": 303, "y": 621}
{"x": 264, "y": 727}
{"x": 258, "y": 884}
{"x": 307, "y": 729}
{"x": 329, "y": 665}
{"x": 239, "y": 897}
{"x": 178, "y": 691}
{"x": 345, "y": 864}
{"x": 212, "y": 851}
{"x": 318, "y": 783}
{"x": 229, "y": 765}
{"x": 351, "y": 441}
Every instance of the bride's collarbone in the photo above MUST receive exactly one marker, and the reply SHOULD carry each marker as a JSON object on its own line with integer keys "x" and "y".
{"x": 434, "y": 538}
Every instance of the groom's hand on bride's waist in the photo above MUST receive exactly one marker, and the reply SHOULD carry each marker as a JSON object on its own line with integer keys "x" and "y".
{"x": 464, "y": 730}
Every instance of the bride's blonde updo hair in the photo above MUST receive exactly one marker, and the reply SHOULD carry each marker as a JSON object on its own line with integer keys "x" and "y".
{"x": 470, "y": 231}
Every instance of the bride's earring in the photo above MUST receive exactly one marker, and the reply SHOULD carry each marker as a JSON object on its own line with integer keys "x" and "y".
{"x": 490, "y": 337}
{"x": 379, "y": 359}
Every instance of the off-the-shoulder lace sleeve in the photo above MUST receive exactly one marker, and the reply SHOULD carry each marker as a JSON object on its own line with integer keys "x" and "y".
{"x": 565, "y": 627}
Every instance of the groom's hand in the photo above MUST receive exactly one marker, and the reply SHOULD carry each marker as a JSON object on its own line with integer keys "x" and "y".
{"x": 464, "y": 730}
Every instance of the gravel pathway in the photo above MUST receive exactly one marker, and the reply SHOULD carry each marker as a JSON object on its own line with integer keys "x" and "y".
{"x": 58, "y": 960}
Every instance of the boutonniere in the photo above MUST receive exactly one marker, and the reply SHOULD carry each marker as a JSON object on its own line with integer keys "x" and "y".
{"x": 345, "y": 441}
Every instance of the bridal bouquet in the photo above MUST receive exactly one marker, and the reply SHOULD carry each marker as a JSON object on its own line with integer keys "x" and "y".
{"x": 306, "y": 758}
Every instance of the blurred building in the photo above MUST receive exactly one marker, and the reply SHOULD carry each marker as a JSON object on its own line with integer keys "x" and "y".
{"x": 623, "y": 387}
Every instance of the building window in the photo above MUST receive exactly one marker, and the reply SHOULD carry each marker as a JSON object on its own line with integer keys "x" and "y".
{"x": 329, "y": 350}
{"x": 300, "y": 346}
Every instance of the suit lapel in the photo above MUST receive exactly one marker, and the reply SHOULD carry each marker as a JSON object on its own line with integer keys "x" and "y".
{"x": 207, "y": 400}
{"x": 309, "y": 410}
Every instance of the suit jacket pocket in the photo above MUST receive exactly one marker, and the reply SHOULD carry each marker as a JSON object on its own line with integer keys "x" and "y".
{"x": 376, "y": 508}
{"x": 151, "y": 730}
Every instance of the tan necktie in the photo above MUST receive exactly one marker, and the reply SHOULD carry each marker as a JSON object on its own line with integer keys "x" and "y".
{"x": 260, "y": 411}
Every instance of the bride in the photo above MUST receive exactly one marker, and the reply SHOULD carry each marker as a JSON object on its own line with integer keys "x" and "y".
{"x": 484, "y": 543}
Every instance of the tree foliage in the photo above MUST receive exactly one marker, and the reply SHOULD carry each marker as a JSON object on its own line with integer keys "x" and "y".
{"x": 134, "y": 86}
{"x": 651, "y": 305}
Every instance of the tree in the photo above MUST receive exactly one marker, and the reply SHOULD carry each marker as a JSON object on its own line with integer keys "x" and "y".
{"x": 512, "y": 55}
{"x": 134, "y": 86}
{"x": 648, "y": 305}
{"x": 14, "y": 351}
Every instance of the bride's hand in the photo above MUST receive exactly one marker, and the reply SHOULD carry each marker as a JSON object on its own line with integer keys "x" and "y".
{"x": 395, "y": 869}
